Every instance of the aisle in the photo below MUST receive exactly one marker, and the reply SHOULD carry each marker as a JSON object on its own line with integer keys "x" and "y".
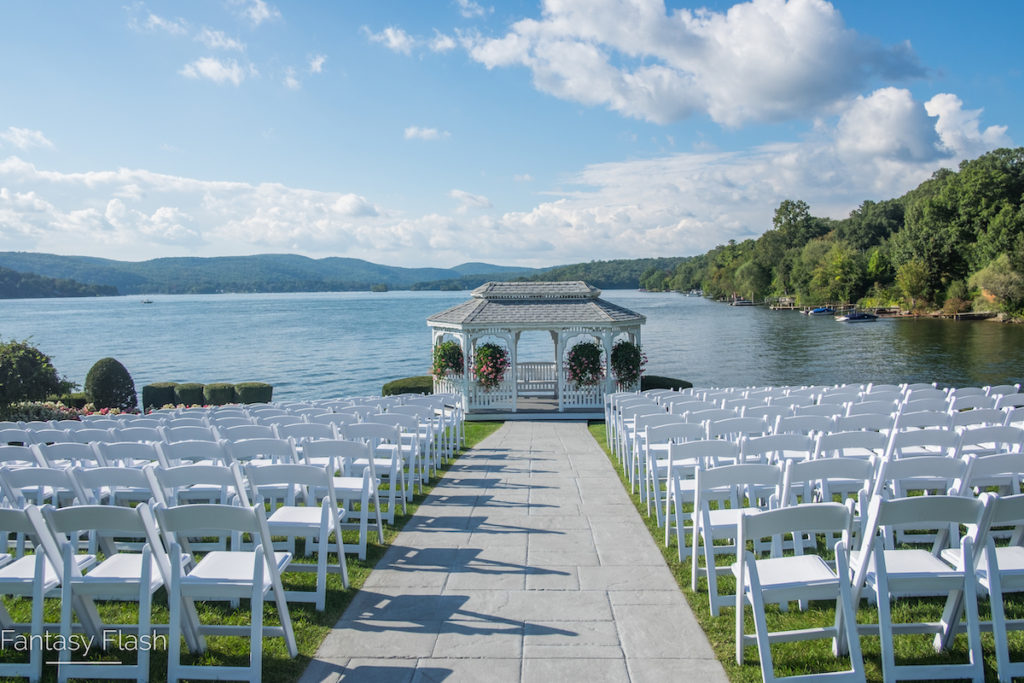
{"x": 527, "y": 563}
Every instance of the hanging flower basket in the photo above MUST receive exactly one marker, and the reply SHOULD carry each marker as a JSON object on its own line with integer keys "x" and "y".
{"x": 448, "y": 360}
{"x": 583, "y": 364}
{"x": 628, "y": 361}
{"x": 490, "y": 362}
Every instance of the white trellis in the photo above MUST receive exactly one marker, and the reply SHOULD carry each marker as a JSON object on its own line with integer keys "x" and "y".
{"x": 502, "y": 311}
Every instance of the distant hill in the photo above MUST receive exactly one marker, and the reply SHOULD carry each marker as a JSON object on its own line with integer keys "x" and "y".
{"x": 258, "y": 273}
{"x": 15, "y": 285}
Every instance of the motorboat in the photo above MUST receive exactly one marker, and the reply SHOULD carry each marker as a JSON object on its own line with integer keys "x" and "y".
{"x": 857, "y": 317}
{"x": 822, "y": 310}
{"x": 742, "y": 302}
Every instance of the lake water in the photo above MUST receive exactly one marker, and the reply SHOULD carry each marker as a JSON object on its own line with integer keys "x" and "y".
{"x": 333, "y": 344}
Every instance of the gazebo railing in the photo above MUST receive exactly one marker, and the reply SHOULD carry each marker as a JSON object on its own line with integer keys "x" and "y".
{"x": 537, "y": 379}
{"x": 576, "y": 396}
{"x": 500, "y": 396}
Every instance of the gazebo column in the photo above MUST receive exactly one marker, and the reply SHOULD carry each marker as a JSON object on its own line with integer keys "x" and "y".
{"x": 606, "y": 344}
{"x": 559, "y": 345}
{"x": 514, "y": 351}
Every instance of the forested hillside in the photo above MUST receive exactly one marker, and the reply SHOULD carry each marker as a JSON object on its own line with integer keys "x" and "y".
{"x": 956, "y": 241}
{"x": 15, "y": 285}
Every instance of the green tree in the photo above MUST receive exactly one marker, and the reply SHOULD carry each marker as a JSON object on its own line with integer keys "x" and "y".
{"x": 752, "y": 280}
{"x": 1001, "y": 280}
{"x": 913, "y": 279}
{"x": 27, "y": 374}
{"x": 839, "y": 274}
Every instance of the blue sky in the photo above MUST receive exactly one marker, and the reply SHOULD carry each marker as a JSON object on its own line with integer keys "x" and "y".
{"x": 433, "y": 133}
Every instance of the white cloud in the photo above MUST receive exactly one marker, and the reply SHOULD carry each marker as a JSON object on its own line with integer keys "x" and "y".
{"x": 418, "y": 133}
{"x": 316, "y": 64}
{"x": 175, "y": 27}
{"x": 677, "y": 204}
{"x": 959, "y": 129}
{"x": 290, "y": 81}
{"x": 441, "y": 42}
{"x": 762, "y": 60}
{"x": 394, "y": 39}
{"x": 217, "y": 71}
{"x": 523, "y": 178}
{"x": 258, "y": 11}
{"x": 469, "y": 9}
{"x": 25, "y": 138}
{"x": 218, "y": 40}
{"x": 468, "y": 200}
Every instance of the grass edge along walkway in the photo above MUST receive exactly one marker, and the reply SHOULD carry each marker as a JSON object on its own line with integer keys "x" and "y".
{"x": 815, "y": 656}
{"x": 311, "y": 627}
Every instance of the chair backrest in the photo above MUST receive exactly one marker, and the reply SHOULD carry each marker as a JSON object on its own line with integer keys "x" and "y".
{"x": 246, "y": 431}
{"x": 280, "y": 420}
{"x": 872, "y": 407}
{"x": 273, "y": 450}
{"x": 1010, "y": 401}
{"x": 978, "y": 417}
{"x": 19, "y": 456}
{"x": 64, "y": 454}
{"x": 330, "y": 419}
{"x": 846, "y": 477}
{"x": 734, "y": 428}
{"x": 896, "y": 478}
{"x": 674, "y": 431}
{"x": 920, "y": 442}
{"x": 803, "y": 424}
{"x": 195, "y": 421}
{"x": 25, "y": 485}
{"x": 1003, "y": 390}
{"x": 138, "y": 434}
{"x": 96, "y": 481}
{"x": 188, "y": 433}
{"x": 918, "y": 392}
{"x": 770, "y": 413}
{"x": 827, "y": 517}
{"x": 991, "y": 440}
{"x": 1001, "y": 470}
{"x": 266, "y": 482}
{"x": 970, "y": 402}
{"x": 338, "y": 454}
{"x": 924, "y": 419}
{"x": 858, "y": 444}
{"x": 180, "y": 452}
{"x": 93, "y": 422}
{"x": 705, "y": 453}
{"x": 128, "y": 453}
{"x": 734, "y": 482}
{"x": 701, "y": 416}
{"x": 776, "y": 448}
{"x": 224, "y": 422}
{"x": 168, "y": 482}
{"x": 47, "y": 435}
{"x": 370, "y": 432}
{"x": 91, "y": 435}
{"x": 306, "y": 431}
{"x": 152, "y": 421}
{"x": 21, "y": 437}
{"x": 868, "y": 422}
{"x": 824, "y": 409}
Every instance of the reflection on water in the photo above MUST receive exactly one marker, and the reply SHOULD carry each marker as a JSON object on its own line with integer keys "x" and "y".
{"x": 318, "y": 345}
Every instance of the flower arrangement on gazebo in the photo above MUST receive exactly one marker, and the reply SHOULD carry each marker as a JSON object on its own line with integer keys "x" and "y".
{"x": 628, "y": 361}
{"x": 448, "y": 360}
{"x": 490, "y": 362}
{"x": 583, "y": 364}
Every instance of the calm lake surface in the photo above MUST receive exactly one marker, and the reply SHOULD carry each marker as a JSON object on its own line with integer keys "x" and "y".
{"x": 334, "y": 344}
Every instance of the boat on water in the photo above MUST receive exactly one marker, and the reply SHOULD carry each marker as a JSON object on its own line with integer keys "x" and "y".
{"x": 857, "y": 317}
{"x": 742, "y": 302}
{"x": 822, "y": 310}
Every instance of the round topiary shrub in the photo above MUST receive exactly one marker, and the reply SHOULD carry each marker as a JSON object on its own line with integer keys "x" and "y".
{"x": 189, "y": 394}
{"x": 158, "y": 394}
{"x": 421, "y": 384}
{"x": 219, "y": 393}
{"x": 253, "y": 392}
{"x": 108, "y": 385}
{"x": 27, "y": 374}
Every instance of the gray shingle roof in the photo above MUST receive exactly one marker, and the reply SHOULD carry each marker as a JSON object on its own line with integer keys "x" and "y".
{"x": 536, "y": 303}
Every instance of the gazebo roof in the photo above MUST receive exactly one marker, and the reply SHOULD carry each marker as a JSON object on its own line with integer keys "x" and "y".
{"x": 526, "y": 304}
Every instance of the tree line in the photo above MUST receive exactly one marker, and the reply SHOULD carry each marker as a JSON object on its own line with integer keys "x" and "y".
{"x": 956, "y": 241}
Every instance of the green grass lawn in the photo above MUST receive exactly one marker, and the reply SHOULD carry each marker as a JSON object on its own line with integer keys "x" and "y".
{"x": 815, "y": 656}
{"x": 310, "y": 626}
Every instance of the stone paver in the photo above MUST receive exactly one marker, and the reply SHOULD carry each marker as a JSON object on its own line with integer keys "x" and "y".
{"x": 527, "y": 563}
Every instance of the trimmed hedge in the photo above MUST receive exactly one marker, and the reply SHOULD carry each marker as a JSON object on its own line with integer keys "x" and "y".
{"x": 219, "y": 393}
{"x": 158, "y": 394}
{"x": 189, "y": 394}
{"x": 75, "y": 400}
{"x": 253, "y": 392}
{"x": 421, "y": 384}
{"x": 656, "y": 382}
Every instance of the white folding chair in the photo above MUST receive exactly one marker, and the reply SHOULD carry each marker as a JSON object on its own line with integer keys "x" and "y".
{"x": 680, "y": 484}
{"x": 968, "y": 420}
{"x": 780, "y": 579}
{"x": 356, "y": 480}
{"x": 68, "y": 455}
{"x": 913, "y": 572}
{"x": 223, "y": 575}
{"x": 121, "y": 576}
{"x": 863, "y": 445}
{"x": 311, "y": 519}
{"x": 384, "y": 441}
{"x": 191, "y": 452}
{"x": 306, "y": 431}
{"x": 129, "y": 454}
{"x": 246, "y": 431}
{"x": 176, "y": 433}
{"x": 736, "y": 489}
{"x": 138, "y": 434}
{"x": 657, "y": 443}
{"x": 776, "y": 449}
{"x": 918, "y": 442}
{"x": 264, "y": 451}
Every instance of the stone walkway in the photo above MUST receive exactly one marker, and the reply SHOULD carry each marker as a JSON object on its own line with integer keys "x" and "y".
{"x": 527, "y": 563}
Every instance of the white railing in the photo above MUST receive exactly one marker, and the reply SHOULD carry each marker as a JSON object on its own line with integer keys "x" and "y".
{"x": 576, "y": 396}
{"x": 500, "y": 396}
{"x": 537, "y": 378}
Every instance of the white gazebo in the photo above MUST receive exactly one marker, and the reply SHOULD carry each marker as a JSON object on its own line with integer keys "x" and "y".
{"x": 500, "y": 312}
